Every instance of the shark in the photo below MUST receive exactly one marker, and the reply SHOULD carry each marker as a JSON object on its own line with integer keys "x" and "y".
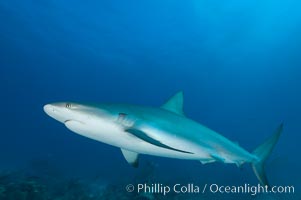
{"x": 159, "y": 131}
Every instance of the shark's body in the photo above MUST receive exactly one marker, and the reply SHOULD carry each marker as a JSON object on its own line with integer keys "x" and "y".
{"x": 163, "y": 131}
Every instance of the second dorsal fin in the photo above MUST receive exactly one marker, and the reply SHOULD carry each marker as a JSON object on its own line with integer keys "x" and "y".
{"x": 175, "y": 104}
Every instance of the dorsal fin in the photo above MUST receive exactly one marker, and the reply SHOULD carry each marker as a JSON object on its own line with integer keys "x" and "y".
{"x": 175, "y": 104}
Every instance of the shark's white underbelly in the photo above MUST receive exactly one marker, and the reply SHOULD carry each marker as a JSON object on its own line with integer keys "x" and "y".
{"x": 114, "y": 135}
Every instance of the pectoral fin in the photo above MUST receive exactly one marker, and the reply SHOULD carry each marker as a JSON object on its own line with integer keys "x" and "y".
{"x": 131, "y": 157}
{"x": 143, "y": 136}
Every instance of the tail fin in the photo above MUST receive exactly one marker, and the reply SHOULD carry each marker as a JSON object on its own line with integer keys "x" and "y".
{"x": 262, "y": 152}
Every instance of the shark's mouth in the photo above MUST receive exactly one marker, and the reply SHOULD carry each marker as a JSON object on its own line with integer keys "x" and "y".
{"x": 72, "y": 120}
{"x": 68, "y": 120}
{"x": 76, "y": 126}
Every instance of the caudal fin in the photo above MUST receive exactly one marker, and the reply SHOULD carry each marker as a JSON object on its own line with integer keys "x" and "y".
{"x": 262, "y": 152}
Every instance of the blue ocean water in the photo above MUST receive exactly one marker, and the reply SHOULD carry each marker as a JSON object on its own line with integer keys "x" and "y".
{"x": 238, "y": 64}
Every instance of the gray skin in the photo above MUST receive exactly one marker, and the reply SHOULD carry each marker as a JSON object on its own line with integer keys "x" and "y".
{"x": 163, "y": 131}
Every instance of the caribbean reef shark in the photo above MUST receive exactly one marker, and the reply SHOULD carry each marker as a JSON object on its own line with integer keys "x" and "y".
{"x": 163, "y": 131}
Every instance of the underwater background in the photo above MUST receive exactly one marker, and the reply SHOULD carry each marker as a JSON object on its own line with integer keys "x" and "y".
{"x": 237, "y": 62}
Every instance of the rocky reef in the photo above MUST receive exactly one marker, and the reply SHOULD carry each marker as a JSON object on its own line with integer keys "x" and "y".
{"x": 43, "y": 181}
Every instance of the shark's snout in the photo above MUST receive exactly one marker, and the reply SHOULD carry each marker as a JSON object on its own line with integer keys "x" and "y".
{"x": 49, "y": 108}
{"x": 57, "y": 111}
{"x": 53, "y": 108}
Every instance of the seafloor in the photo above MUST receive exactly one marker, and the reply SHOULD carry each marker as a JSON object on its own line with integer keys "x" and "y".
{"x": 41, "y": 180}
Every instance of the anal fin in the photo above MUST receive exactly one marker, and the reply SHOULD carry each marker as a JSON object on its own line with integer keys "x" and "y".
{"x": 206, "y": 161}
{"x": 217, "y": 158}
